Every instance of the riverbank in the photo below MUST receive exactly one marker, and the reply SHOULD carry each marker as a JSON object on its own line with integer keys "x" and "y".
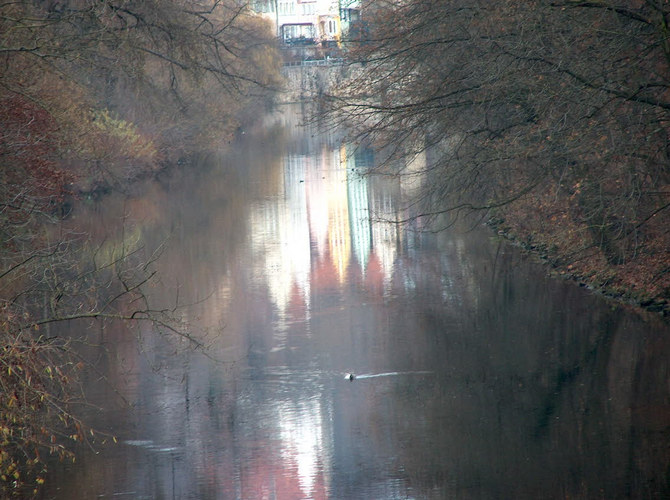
{"x": 552, "y": 231}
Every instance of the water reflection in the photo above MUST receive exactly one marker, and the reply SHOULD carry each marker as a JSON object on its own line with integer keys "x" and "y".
{"x": 319, "y": 220}
{"x": 479, "y": 377}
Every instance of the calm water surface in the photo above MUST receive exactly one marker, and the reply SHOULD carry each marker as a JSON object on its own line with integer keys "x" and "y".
{"x": 478, "y": 377}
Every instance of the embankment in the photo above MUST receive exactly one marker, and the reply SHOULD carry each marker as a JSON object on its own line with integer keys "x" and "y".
{"x": 308, "y": 80}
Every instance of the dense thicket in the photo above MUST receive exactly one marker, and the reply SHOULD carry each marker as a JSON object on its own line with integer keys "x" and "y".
{"x": 552, "y": 116}
{"x": 94, "y": 94}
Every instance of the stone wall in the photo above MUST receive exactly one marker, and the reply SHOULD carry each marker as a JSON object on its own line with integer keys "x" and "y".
{"x": 311, "y": 79}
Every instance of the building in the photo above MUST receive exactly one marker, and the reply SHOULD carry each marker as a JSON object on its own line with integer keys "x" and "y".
{"x": 309, "y": 22}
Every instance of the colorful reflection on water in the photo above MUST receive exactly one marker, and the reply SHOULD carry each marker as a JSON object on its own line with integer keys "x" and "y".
{"x": 478, "y": 376}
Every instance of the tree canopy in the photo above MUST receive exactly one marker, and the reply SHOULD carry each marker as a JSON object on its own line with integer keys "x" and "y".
{"x": 550, "y": 116}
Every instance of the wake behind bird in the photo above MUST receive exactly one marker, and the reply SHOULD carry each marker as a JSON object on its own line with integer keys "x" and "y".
{"x": 352, "y": 376}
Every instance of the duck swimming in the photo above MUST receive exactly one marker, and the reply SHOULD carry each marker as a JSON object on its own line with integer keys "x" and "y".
{"x": 349, "y": 376}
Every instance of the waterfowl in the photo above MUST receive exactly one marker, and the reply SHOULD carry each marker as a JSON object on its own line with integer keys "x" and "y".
{"x": 349, "y": 376}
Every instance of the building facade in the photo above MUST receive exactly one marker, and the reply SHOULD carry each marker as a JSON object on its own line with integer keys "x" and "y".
{"x": 309, "y": 22}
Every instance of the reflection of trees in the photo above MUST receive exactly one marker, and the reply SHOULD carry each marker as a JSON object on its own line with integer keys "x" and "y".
{"x": 47, "y": 295}
{"x": 524, "y": 389}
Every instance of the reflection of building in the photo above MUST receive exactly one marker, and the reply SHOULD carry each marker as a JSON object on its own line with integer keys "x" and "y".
{"x": 338, "y": 224}
{"x": 385, "y": 234}
{"x": 298, "y": 431}
{"x": 359, "y": 210}
{"x": 281, "y": 239}
{"x": 319, "y": 229}
{"x": 301, "y": 430}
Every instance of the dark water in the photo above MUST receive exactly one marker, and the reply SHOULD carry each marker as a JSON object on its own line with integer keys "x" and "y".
{"x": 478, "y": 376}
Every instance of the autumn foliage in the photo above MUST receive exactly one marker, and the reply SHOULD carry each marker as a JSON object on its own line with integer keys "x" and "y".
{"x": 32, "y": 179}
{"x": 36, "y": 379}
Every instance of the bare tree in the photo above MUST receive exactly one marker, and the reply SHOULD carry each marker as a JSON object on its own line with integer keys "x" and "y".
{"x": 180, "y": 70}
{"x": 557, "y": 107}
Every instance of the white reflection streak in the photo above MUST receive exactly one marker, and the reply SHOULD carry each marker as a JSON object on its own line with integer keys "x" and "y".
{"x": 280, "y": 239}
{"x": 358, "y": 209}
{"x": 301, "y": 436}
{"x": 317, "y": 204}
{"x": 338, "y": 227}
{"x": 385, "y": 237}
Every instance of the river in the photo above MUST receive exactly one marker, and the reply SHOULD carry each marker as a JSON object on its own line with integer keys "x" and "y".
{"x": 476, "y": 374}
